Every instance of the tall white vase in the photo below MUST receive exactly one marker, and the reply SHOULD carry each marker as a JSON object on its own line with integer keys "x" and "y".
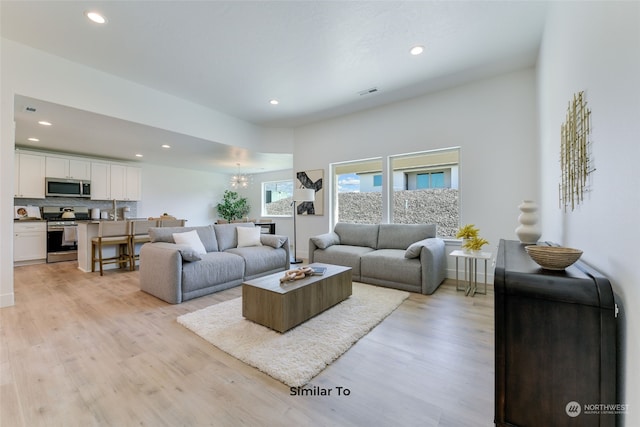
{"x": 528, "y": 231}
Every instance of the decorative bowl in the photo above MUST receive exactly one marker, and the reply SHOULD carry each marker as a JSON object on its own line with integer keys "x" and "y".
{"x": 553, "y": 257}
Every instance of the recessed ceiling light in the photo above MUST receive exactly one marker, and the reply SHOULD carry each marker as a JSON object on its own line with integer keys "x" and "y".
{"x": 44, "y": 123}
{"x": 96, "y": 17}
{"x": 33, "y": 139}
{"x": 166, "y": 146}
{"x": 139, "y": 155}
{"x": 274, "y": 102}
{"x": 416, "y": 50}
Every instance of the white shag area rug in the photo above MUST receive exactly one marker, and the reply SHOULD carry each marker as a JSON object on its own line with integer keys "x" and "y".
{"x": 298, "y": 355}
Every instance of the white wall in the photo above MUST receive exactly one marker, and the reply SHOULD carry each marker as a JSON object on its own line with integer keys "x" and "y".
{"x": 183, "y": 193}
{"x": 493, "y": 121}
{"x": 595, "y": 47}
{"x": 30, "y": 72}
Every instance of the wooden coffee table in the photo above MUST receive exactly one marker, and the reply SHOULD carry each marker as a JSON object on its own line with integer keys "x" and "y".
{"x": 281, "y": 306}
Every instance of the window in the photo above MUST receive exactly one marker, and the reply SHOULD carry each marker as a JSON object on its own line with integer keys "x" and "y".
{"x": 424, "y": 189}
{"x": 430, "y": 180}
{"x": 276, "y": 198}
{"x": 358, "y": 197}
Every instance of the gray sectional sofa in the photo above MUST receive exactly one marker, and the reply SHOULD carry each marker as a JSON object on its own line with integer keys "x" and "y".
{"x": 176, "y": 272}
{"x": 402, "y": 256}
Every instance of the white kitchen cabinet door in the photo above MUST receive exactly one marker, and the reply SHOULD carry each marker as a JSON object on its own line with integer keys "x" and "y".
{"x": 118, "y": 180}
{"x": 60, "y": 167}
{"x": 79, "y": 169}
{"x": 100, "y": 181}
{"x": 29, "y": 176}
{"x": 57, "y": 167}
{"x": 29, "y": 241}
{"x": 133, "y": 187}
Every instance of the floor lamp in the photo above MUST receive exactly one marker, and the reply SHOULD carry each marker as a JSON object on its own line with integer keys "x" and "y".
{"x": 300, "y": 195}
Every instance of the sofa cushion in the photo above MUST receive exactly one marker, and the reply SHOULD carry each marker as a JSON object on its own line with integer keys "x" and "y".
{"x": 401, "y": 236}
{"x": 227, "y": 235}
{"x": 323, "y": 241}
{"x": 214, "y": 268}
{"x": 390, "y": 265}
{"x": 205, "y": 232}
{"x": 348, "y": 256}
{"x": 357, "y": 234}
{"x": 248, "y": 236}
{"x": 191, "y": 239}
{"x": 259, "y": 259}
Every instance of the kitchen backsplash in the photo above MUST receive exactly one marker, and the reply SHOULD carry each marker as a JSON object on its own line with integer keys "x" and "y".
{"x": 103, "y": 205}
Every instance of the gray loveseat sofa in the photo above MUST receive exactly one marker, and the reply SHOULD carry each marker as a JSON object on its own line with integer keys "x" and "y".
{"x": 176, "y": 273}
{"x": 402, "y": 256}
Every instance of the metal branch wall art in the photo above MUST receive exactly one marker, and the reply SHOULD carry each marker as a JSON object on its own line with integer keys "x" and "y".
{"x": 575, "y": 147}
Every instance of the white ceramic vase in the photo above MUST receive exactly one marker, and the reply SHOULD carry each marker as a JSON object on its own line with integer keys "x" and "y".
{"x": 528, "y": 231}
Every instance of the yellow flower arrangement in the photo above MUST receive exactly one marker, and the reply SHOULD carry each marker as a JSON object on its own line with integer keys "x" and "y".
{"x": 470, "y": 238}
{"x": 469, "y": 231}
{"x": 475, "y": 243}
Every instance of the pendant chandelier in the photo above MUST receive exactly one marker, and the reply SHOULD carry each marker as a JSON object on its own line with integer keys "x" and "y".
{"x": 240, "y": 180}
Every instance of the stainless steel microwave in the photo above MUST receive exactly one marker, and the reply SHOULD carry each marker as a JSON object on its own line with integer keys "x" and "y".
{"x": 60, "y": 187}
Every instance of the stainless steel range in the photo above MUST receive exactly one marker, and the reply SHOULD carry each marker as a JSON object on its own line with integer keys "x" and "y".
{"x": 62, "y": 231}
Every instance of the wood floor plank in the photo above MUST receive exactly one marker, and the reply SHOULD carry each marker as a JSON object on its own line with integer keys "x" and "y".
{"x": 78, "y": 349}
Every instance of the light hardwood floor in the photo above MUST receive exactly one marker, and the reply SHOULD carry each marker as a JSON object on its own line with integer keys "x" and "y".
{"x": 78, "y": 349}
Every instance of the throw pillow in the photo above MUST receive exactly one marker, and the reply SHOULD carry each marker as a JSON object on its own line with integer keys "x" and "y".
{"x": 413, "y": 251}
{"x": 323, "y": 241}
{"x": 190, "y": 238}
{"x": 248, "y": 236}
{"x": 188, "y": 253}
{"x": 273, "y": 240}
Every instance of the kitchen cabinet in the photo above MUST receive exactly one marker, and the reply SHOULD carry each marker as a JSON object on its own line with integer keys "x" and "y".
{"x": 29, "y": 242}
{"x": 29, "y": 175}
{"x": 125, "y": 182}
{"x": 115, "y": 181}
{"x": 60, "y": 167}
{"x": 100, "y": 185}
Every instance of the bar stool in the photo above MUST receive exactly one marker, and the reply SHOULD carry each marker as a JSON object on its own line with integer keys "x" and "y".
{"x": 139, "y": 234}
{"x": 111, "y": 233}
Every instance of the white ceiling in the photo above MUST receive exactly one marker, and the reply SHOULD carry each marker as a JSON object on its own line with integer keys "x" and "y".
{"x": 234, "y": 56}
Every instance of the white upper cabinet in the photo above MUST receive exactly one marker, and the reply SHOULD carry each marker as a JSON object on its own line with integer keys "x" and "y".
{"x": 114, "y": 181}
{"x": 133, "y": 187}
{"x": 125, "y": 182}
{"x": 100, "y": 181}
{"x": 109, "y": 180}
{"x": 60, "y": 167}
{"x": 29, "y": 176}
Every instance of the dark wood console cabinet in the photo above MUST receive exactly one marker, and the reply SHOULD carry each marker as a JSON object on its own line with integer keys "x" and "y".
{"x": 555, "y": 343}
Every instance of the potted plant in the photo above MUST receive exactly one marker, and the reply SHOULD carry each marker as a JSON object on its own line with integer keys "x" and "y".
{"x": 233, "y": 206}
{"x": 471, "y": 241}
